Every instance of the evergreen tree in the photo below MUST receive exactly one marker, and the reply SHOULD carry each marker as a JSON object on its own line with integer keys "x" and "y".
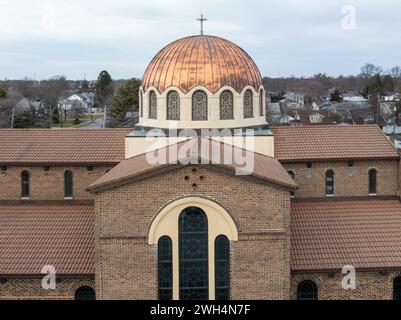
{"x": 126, "y": 99}
{"x": 323, "y": 79}
{"x": 84, "y": 87}
{"x": 336, "y": 95}
{"x": 23, "y": 120}
{"x": 388, "y": 84}
{"x": 103, "y": 88}
{"x": 3, "y": 92}
{"x": 376, "y": 85}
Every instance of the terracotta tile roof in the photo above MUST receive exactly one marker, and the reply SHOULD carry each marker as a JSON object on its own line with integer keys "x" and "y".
{"x": 266, "y": 168}
{"x": 58, "y": 146}
{"x": 332, "y": 142}
{"x": 328, "y": 235}
{"x": 33, "y": 235}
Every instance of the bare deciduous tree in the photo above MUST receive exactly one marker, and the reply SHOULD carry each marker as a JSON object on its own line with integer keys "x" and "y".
{"x": 49, "y": 92}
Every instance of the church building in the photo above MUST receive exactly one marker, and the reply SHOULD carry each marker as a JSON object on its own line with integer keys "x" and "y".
{"x": 145, "y": 214}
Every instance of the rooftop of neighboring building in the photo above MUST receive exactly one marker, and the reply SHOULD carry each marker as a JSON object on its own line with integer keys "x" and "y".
{"x": 62, "y": 146}
{"x": 38, "y": 234}
{"x": 330, "y": 234}
{"x": 332, "y": 142}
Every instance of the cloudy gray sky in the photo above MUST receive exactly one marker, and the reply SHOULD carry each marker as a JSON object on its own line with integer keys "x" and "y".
{"x": 285, "y": 37}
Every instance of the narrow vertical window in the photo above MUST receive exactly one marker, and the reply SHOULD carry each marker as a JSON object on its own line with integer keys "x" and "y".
{"x": 248, "y": 104}
{"x": 261, "y": 102}
{"x": 25, "y": 187}
{"x": 199, "y": 106}
{"x": 141, "y": 104}
{"x": 152, "y": 105}
{"x": 222, "y": 268}
{"x": 193, "y": 252}
{"x": 397, "y": 289}
{"x": 372, "y": 181}
{"x": 226, "y": 105}
{"x": 292, "y": 176}
{"x": 307, "y": 290}
{"x": 165, "y": 268}
{"x": 329, "y": 182}
{"x": 173, "y": 106}
{"x": 68, "y": 184}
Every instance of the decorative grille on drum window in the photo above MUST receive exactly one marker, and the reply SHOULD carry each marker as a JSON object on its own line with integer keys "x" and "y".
{"x": 248, "y": 104}
{"x": 152, "y": 105}
{"x": 226, "y": 105}
{"x": 173, "y": 106}
{"x": 199, "y": 106}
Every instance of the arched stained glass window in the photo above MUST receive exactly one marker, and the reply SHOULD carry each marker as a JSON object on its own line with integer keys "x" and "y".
{"x": 193, "y": 252}
{"x": 25, "y": 186}
{"x": 397, "y": 288}
{"x": 222, "y": 268}
{"x": 152, "y": 105}
{"x": 199, "y": 106}
{"x": 165, "y": 268}
{"x": 372, "y": 181}
{"x": 248, "y": 104}
{"x": 173, "y": 106}
{"x": 226, "y": 105}
{"x": 307, "y": 290}
{"x": 68, "y": 184}
{"x": 329, "y": 182}
{"x": 261, "y": 102}
{"x": 85, "y": 293}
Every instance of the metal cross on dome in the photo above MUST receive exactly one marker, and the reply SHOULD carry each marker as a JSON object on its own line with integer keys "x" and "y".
{"x": 202, "y": 19}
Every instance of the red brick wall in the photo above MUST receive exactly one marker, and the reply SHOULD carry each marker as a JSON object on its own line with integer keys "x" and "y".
{"x": 22, "y": 288}
{"x": 126, "y": 265}
{"x": 372, "y": 285}
{"x": 344, "y": 185}
{"x": 48, "y": 185}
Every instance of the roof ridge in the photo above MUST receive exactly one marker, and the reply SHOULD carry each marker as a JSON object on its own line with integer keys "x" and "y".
{"x": 67, "y": 129}
{"x": 47, "y": 202}
{"x": 138, "y": 166}
{"x": 206, "y": 138}
{"x": 387, "y": 138}
{"x": 345, "y": 199}
{"x": 324, "y": 126}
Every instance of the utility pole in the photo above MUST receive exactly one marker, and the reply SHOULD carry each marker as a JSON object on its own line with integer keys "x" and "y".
{"x": 61, "y": 117}
{"x": 104, "y": 118}
{"x": 51, "y": 116}
{"x": 12, "y": 118}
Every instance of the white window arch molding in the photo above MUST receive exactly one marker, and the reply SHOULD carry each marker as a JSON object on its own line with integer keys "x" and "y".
{"x": 166, "y": 223}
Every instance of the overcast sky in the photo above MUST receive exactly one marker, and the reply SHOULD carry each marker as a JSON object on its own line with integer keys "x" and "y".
{"x": 285, "y": 37}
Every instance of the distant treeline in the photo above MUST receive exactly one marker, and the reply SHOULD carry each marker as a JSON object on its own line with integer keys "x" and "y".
{"x": 321, "y": 82}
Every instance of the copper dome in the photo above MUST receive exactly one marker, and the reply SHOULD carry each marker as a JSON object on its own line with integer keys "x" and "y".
{"x": 202, "y": 60}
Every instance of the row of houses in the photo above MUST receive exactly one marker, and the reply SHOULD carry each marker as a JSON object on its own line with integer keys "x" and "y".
{"x": 82, "y": 101}
{"x": 327, "y": 117}
{"x": 297, "y": 100}
{"x": 354, "y": 109}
